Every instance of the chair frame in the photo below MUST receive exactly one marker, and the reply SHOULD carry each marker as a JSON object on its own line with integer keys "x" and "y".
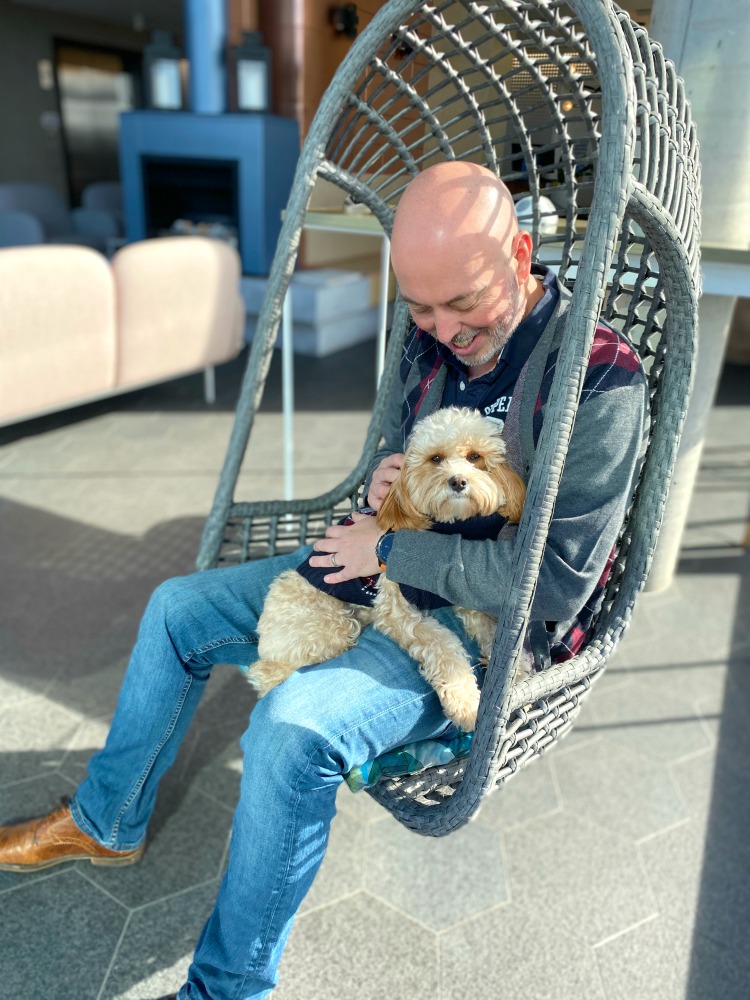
{"x": 647, "y": 189}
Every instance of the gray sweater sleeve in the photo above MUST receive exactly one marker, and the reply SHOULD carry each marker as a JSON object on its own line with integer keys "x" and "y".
{"x": 595, "y": 492}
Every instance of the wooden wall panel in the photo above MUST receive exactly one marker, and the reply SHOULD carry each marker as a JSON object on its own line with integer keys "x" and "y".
{"x": 306, "y": 51}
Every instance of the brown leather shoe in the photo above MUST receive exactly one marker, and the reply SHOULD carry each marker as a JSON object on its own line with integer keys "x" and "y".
{"x": 52, "y": 840}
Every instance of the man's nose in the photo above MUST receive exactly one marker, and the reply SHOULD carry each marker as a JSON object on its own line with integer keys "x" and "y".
{"x": 446, "y": 327}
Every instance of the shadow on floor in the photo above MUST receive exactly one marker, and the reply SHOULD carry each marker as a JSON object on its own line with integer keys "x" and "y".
{"x": 723, "y": 907}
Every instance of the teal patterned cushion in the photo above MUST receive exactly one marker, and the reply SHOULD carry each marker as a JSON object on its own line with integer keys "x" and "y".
{"x": 408, "y": 759}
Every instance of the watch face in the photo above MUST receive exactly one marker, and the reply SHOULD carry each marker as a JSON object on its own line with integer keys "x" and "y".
{"x": 383, "y": 547}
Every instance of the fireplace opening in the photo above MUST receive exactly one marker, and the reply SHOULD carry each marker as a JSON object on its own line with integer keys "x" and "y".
{"x": 190, "y": 190}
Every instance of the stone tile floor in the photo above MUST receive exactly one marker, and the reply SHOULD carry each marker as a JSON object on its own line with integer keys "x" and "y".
{"x": 616, "y": 868}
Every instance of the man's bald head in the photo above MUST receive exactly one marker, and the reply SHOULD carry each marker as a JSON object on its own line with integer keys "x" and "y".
{"x": 455, "y": 202}
{"x": 461, "y": 263}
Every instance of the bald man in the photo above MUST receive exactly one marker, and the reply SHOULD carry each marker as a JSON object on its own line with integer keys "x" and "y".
{"x": 464, "y": 269}
{"x": 487, "y": 327}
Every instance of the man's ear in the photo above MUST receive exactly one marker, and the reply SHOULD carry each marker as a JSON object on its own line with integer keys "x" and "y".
{"x": 521, "y": 253}
{"x": 397, "y": 511}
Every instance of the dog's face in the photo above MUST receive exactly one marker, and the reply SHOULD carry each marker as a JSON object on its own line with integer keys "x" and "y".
{"x": 454, "y": 468}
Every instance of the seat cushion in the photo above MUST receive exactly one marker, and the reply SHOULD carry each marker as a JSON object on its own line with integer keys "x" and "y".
{"x": 409, "y": 759}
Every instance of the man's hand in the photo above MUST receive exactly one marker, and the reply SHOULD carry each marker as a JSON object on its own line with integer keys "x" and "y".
{"x": 385, "y": 474}
{"x": 352, "y": 547}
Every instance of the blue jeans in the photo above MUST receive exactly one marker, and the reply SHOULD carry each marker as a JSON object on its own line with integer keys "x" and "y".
{"x": 300, "y": 741}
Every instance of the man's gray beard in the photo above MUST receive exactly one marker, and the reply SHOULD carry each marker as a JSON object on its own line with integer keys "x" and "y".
{"x": 500, "y": 333}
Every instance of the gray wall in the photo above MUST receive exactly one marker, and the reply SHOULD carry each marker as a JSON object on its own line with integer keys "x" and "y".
{"x": 27, "y": 151}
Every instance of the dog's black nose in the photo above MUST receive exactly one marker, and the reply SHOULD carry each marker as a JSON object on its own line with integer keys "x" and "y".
{"x": 457, "y": 483}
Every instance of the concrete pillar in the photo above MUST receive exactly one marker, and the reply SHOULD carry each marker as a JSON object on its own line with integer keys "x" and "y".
{"x": 710, "y": 46}
{"x": 714, "y": 317}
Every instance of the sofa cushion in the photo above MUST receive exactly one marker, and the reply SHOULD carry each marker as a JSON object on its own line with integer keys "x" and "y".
{"x": 57, "y": 328}
{"x": 179, "y": 307}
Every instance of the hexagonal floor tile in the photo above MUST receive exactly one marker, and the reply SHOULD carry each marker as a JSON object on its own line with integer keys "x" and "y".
{"x": 698, "y": 872}
{"x": 360, "y": 949}
{"x": 508, "y": 954}
{"x": 57, "y": 937}
{"x": 665, "y": 960}
{"x": 650, "y": 717}
{"x": 35, "y": 741}
{"x": 439, "y": 881}
{"x": 619, "y": 789}
{"x": 575, "y": 874}
{"x": 187, "y": 841}
{"x": 158, "y": 944}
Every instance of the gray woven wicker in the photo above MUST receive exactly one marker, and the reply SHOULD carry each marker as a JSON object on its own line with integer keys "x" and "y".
{"x": 566, "y": 100}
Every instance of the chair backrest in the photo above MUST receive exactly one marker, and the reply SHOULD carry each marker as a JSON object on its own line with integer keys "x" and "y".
{"x": 40, "y": 200}
{"x": 573, "y": 105}
{"x": 19, "y": 229}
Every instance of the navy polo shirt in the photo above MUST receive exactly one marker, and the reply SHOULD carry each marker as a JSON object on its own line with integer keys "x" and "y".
{"x": 491, "y": 393}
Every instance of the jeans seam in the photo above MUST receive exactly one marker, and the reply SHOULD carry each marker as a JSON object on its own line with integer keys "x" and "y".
{"x": 273, "y": 906}
{"x": 152, "y": 759}
{"x": 249, "y": 640}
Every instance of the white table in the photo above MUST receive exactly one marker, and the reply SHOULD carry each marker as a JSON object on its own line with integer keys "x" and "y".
{"x": 335, "y": 222}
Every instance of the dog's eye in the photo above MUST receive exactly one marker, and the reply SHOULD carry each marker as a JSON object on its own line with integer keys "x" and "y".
{"x": 437, "y": 459}
{"x": 474, "y": 456}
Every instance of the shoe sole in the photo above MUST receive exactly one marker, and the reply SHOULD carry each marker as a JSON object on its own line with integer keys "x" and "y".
{"x": 129, "y": 859}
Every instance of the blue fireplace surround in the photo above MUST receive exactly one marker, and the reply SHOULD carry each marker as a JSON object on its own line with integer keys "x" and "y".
{"x": 232, "y": 168}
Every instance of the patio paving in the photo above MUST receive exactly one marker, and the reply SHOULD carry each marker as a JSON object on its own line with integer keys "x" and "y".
{"x": 616, "y": 868}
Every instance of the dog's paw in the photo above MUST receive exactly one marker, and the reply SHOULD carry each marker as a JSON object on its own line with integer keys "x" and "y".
{"x": 461, "y": 703}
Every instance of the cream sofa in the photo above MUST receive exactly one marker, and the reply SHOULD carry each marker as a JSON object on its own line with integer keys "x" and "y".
{"x": 75, "y": 327}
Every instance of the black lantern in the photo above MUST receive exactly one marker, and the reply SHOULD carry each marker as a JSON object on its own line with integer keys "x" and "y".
{"x": 252, "y": 66}
{"x": 345, "y": 19}
{"x": 161, "y": 70}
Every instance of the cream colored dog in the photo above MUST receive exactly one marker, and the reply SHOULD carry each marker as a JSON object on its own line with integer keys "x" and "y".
{"x": 454, "y": 468}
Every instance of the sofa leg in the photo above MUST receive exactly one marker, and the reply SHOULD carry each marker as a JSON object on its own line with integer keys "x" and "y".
{"x": 209, "y": 384}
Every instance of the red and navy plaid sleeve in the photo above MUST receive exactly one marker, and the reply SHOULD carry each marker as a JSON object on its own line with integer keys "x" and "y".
{"x": 613, "y": 364}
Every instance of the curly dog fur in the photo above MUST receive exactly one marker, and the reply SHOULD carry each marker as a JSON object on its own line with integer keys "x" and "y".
{"x": 454, "y": 468}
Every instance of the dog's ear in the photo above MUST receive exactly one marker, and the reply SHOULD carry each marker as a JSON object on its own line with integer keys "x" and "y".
{"x": 397, "y": 511}
{"x": 514, "y": 489}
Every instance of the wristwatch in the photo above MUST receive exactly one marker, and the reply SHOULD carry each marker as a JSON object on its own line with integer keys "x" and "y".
{"x": 383, "y": 548}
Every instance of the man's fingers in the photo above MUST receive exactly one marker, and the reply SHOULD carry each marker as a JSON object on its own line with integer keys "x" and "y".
{"x": 323, "y": 561}
{"x": 386, "y": 479}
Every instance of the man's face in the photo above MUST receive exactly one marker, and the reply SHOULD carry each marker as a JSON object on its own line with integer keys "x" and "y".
{"x": 474, "y": 324}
